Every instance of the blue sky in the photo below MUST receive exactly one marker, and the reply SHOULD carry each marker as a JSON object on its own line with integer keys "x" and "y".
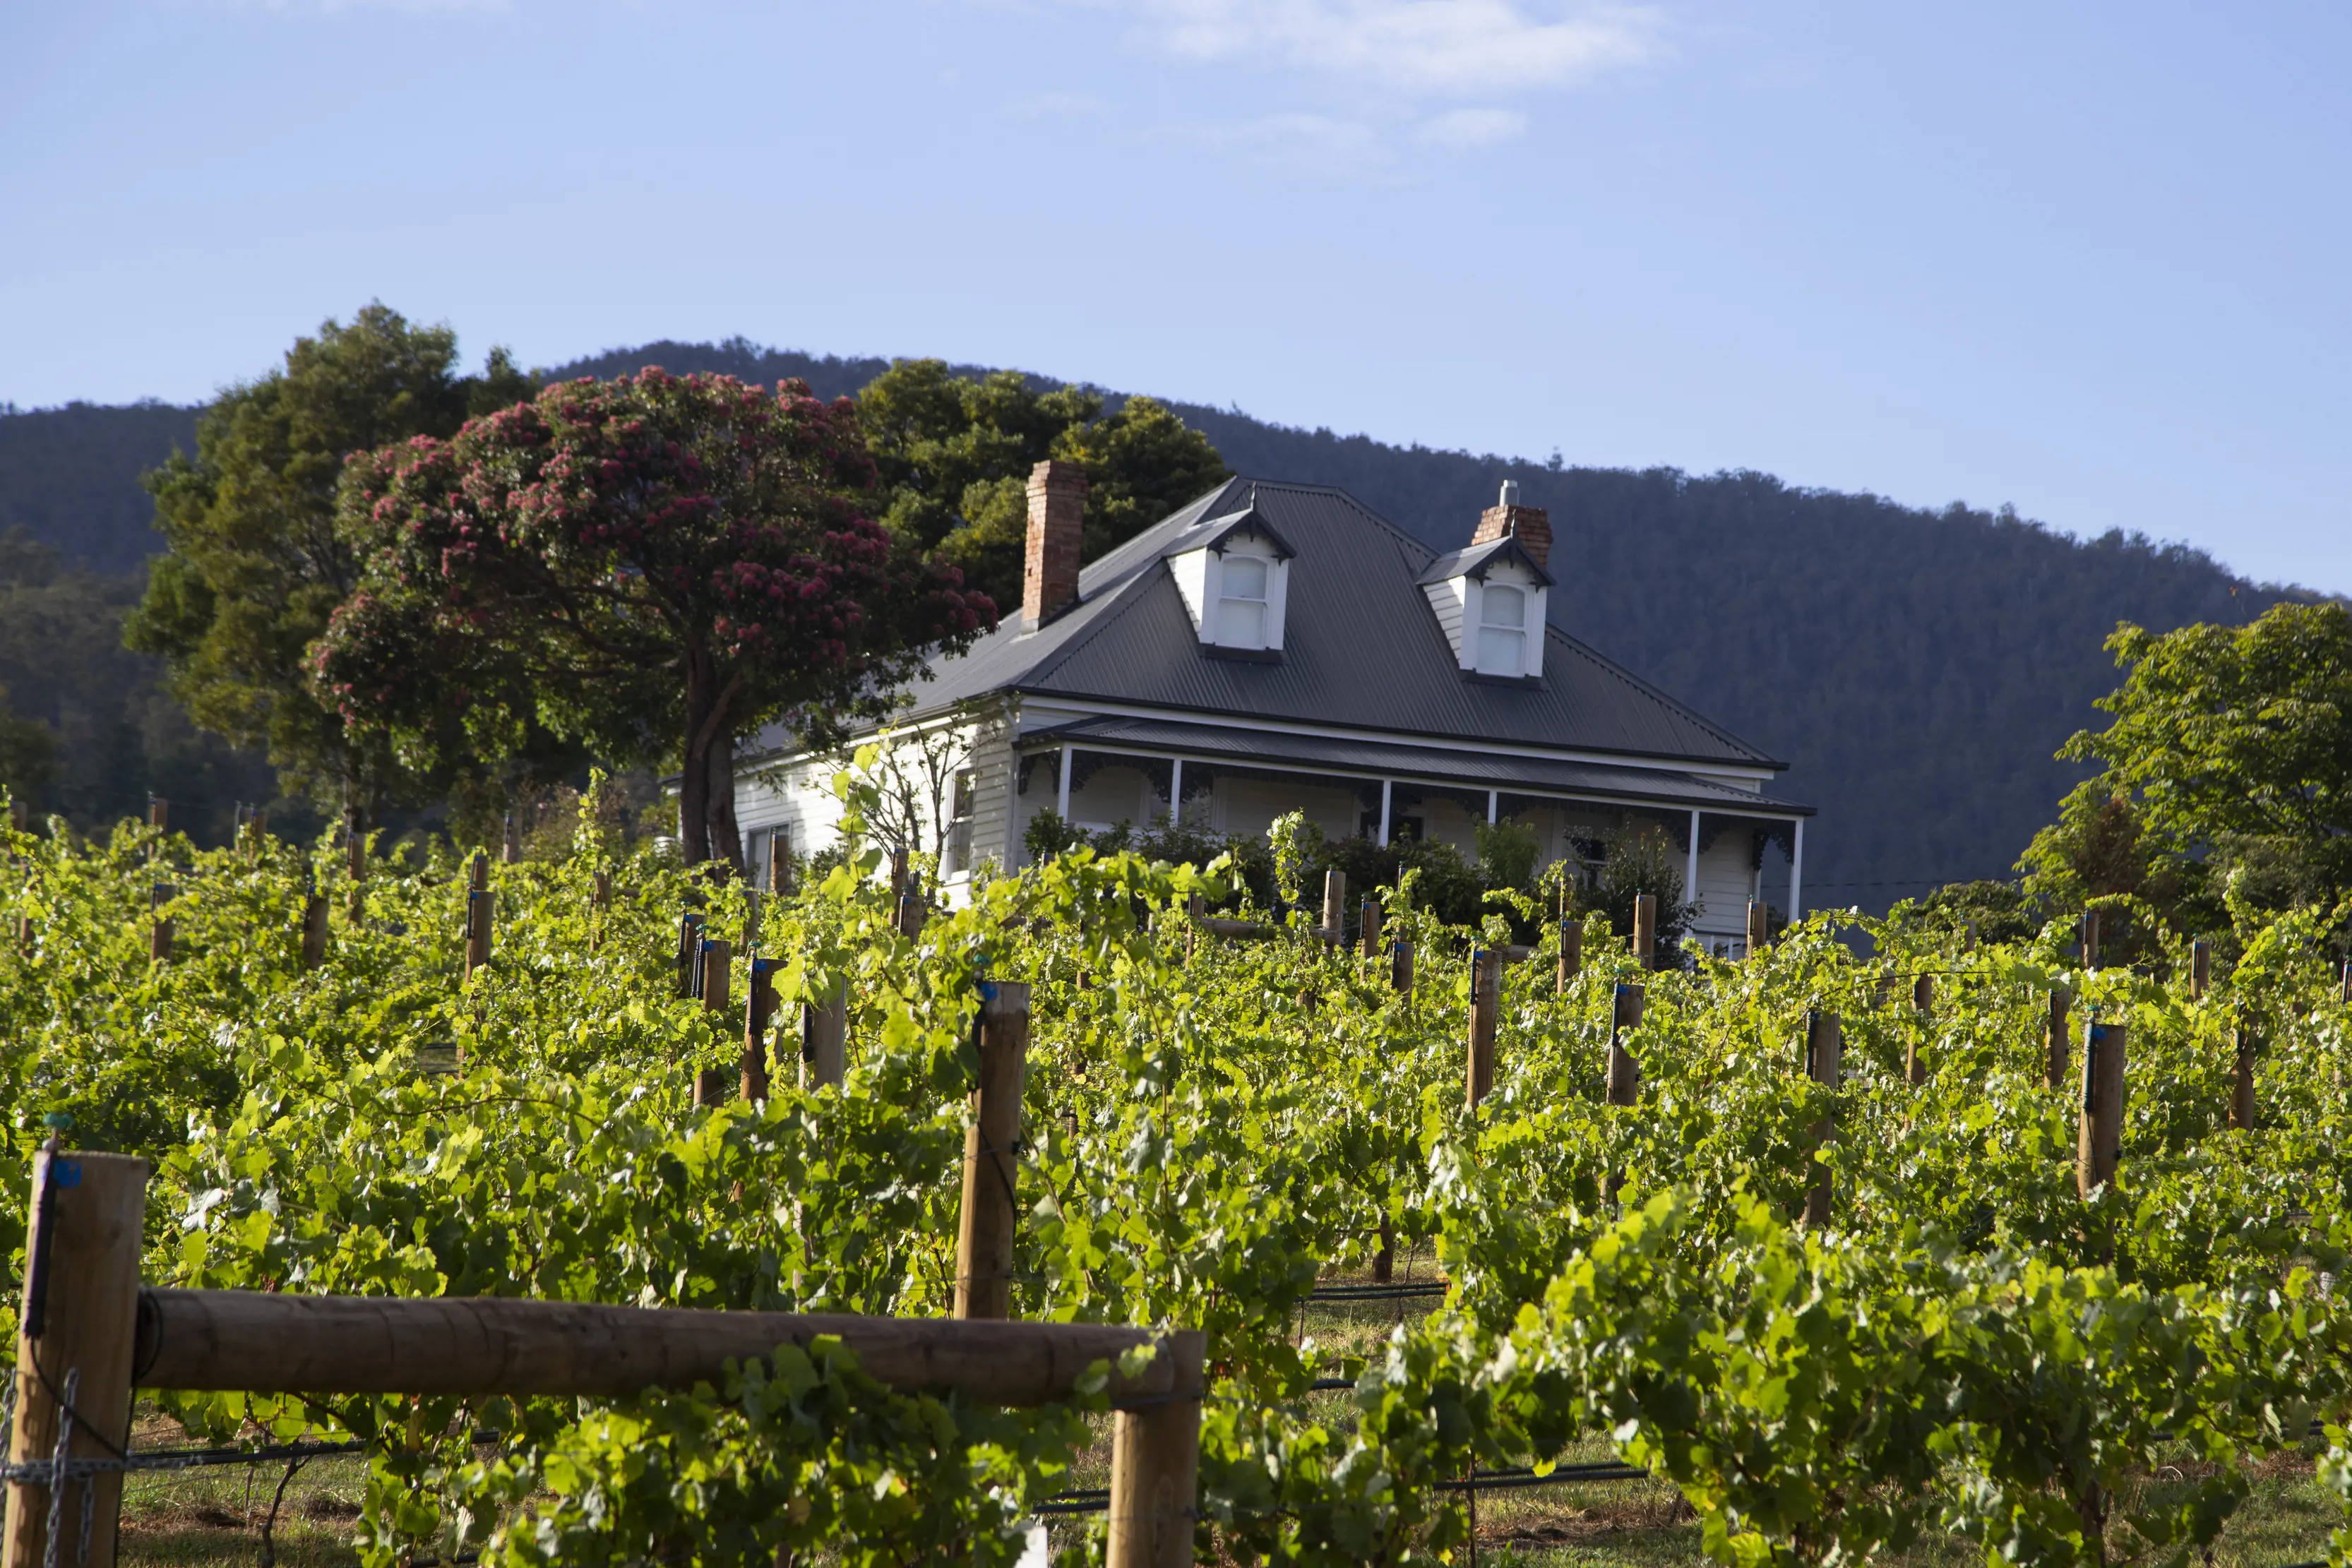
{"x": 2089, "y": 259}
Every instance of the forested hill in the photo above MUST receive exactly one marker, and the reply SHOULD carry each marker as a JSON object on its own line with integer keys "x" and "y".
{"x": 69, "y": 476}
{"x": 1917, "y": 667}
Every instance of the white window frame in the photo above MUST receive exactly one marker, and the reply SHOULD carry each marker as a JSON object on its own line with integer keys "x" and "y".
{"x": 1509, "y": 640}
{"x": 1209, "y": 611}
{"x": 1261, "y": 602}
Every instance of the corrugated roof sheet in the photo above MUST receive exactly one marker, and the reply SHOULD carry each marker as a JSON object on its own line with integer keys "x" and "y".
{"x": 1362, "y": 647}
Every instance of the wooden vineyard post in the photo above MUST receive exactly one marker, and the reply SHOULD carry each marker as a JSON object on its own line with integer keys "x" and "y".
{"x": 2201, "y": 968}
{"x": 759, "y": 1006}
{"x": 478, "y": 915}
{"x": 600, "y": 906}
{"x": 1155, "y": 1468}
{"x": 1485, "y": 1006}
{"x": 2242, "y": 1080}
{"x": 159, "y": 935}
{"x": 1645, "y": 929}
{"x": 690, "y": 951}
{"x": 2090, "y": 939}
{"x": 1335, "y": 906}
{"x": 2054, "y": 1038}
{"x": 1571, "y": 951}
{"x": 1400, "y": 966}
{"x": 1824, "y": 1061}
{"x": 710, "y": 1088}
{"x": 79, "y": 1323}
{"x": 510, "y": 844}
{"x": 824, "y": 1040}
{"x": 1756, "y": 923}
{"x": 1923, "y": 1002}
{"x": 314, "y": 929}
{"x": 991, "y": 1156}
{"x": 717, "y": 973}
{"x": 1368, "y": 926}
{"x": 159, "y": 814}
{"x": 1624, "y": 1074}
{"x": 2099, "y": 1139}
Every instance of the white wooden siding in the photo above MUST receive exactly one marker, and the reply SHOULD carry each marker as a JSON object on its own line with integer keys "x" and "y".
{"x": 1446, "y": 598}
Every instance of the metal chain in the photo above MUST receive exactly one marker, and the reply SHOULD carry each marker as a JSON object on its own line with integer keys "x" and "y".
{"x": 89, "y": 1516}
{"x": 57, "y": 1470}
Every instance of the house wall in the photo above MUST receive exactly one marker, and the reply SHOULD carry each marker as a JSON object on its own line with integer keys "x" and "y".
{"x": 1116, "y": 794}
{"x": 1726, "y": 881}
{"x": 1246, "y": 807}
{"x": 993, "y": 762}
{"x": 797, "y": 796}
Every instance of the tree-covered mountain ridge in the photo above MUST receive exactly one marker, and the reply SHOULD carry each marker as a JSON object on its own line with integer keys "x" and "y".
{"x": 1916, "y": 667}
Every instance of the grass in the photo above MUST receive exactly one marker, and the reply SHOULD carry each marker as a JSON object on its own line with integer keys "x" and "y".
{"x": 216, "y": 1515}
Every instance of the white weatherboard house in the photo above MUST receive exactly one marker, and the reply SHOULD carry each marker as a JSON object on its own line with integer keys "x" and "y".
{"x": 1278, "y": 647}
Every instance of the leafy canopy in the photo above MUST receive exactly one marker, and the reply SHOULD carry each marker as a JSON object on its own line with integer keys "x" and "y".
{"x": 954, "y": 456}
{"x": 649, "y": 567}
{"x": 2228, "y": 765}
{"x": 256, "y": 565}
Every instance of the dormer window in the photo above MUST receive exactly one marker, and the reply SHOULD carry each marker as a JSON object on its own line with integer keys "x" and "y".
{"x": 1241, "y": 600}
{"x": 1489, "y": 602}
{"x": 1502, "y": 631}
{"x": 1235, "y": 574}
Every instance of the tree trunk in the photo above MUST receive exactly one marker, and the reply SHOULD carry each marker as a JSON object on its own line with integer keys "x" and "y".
{"x": 693, "y": 805}
{"x": 726, "y": 838}
{"x": 706, "y": 780}
{"x": 694, "y": 770}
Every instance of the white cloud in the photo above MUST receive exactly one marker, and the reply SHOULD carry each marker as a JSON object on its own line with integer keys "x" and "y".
{"x": 1303, "y": 143}
{"x": 1448, "y": 47}
{"x": 1472, "y": 128}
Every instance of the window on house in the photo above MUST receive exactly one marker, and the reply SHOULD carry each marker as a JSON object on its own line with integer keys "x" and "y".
{"x": 1502, "y": 631}
{"x": 1241, "y": 602}
{"x": 958, "y": 858}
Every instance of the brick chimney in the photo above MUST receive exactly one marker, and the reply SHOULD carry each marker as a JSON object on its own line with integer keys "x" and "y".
{"x": 1532, "y": 526}
{"x": 1058, "y": 510}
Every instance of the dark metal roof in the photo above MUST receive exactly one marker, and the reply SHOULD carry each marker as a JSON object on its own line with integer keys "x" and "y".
{"x": 1362, "y": 647}
{"x": 1216, "y": 531}
{"x": 1214, "y": 743}
{"x": 1474, "y": 560}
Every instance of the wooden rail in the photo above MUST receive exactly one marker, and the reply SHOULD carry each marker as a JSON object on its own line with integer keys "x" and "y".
{"x": 91, "y": 1333}
{"x": 254, "y": 1341}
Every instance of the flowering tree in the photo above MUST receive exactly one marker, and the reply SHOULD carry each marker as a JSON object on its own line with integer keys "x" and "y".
{"x": 652, "y": 565}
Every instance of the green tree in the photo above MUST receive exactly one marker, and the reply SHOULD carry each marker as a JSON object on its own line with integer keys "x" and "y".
{"x": 2228, "y": 763}
{"x": 649, "y": 567}
{"x": 27, "y": 752}
{"x": 256, "y": 565}
{"x": 954, "y": 456}
{"x": 1639, "y": 858}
